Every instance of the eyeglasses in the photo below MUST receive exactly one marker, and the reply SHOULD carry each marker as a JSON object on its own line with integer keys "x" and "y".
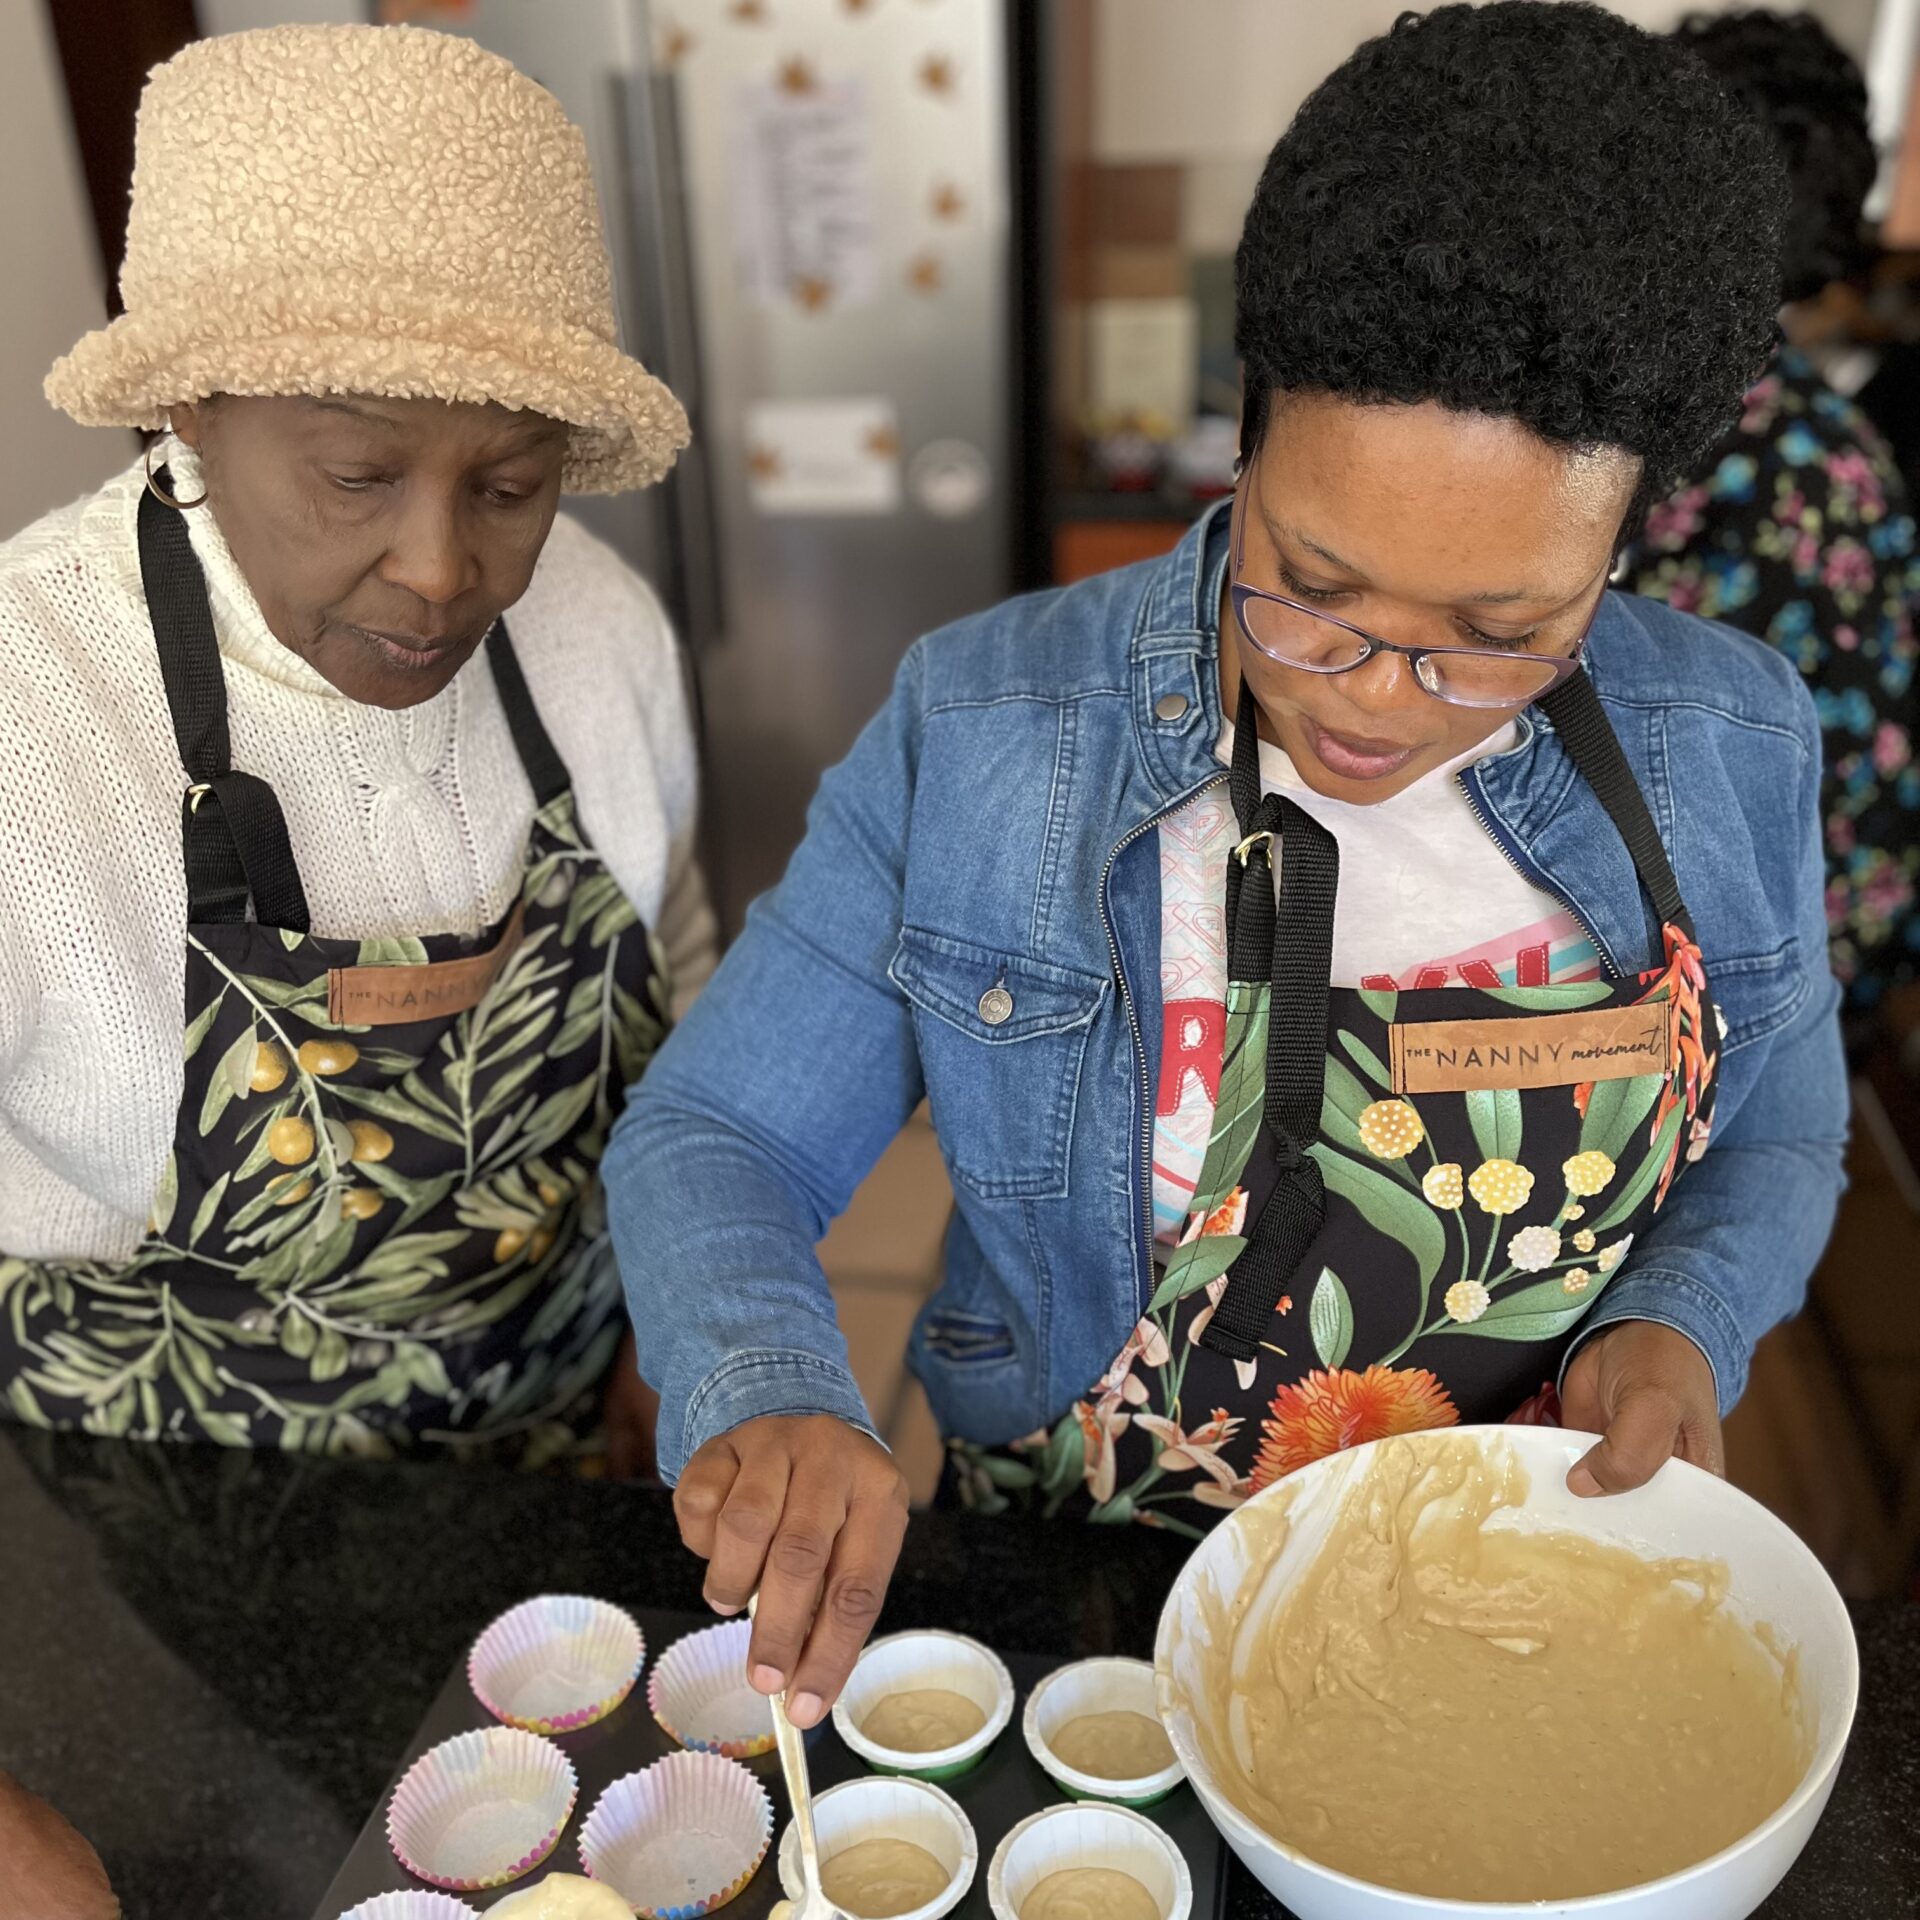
{"x": 1304, "y": 637}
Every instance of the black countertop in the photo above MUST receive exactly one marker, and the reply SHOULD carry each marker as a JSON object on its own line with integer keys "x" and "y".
{"x": 210, "y": 1660}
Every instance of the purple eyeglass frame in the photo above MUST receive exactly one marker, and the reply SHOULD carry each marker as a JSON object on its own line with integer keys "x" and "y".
{"x": 1564, "y": 666}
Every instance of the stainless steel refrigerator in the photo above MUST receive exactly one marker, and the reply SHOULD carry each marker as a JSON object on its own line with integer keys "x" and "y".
{"x": 812, "y": 210}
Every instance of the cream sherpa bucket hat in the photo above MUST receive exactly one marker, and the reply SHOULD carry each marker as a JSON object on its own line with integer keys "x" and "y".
{"x": 386, "y": 210}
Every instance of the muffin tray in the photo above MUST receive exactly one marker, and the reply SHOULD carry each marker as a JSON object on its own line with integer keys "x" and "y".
{"x": 998, "y": 1793}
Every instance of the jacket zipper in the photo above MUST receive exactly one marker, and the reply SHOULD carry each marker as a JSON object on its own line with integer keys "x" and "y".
{"x": 1533, "y": 875}
{"x": 1143, "y": 1245}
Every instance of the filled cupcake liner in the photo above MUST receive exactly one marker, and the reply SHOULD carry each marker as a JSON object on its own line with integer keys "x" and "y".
{"x": 904, "y": 1662}
{"x": 556, "y": 1662}
{"x": 680, "y": 1837}
{"x": 481, "y": 1809}
{"x": 1096, "y": 1686}
{"x": 535, "y": 1892}
{"x": 414, "y": 1903}
{"x": 890, "y": 1809}
{"x": 700, "y": 1694}
{"x": 1088, "y": 1834}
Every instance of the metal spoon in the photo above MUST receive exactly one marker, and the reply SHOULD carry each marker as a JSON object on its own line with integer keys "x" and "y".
{"x": 812, "y": 1904}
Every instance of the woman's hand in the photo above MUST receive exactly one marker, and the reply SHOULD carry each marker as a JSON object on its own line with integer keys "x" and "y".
{"x": 811, "y": 1512}
{"x": 629, "y": 1410}
{"x": 51, "y": 1871}
{"x": 1650, "y": 1391}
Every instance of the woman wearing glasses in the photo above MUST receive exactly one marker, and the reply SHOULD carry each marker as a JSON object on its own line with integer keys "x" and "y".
{"x": 1366, "y": 976}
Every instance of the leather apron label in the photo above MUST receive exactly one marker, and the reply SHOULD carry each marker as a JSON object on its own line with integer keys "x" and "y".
{"x": 392, "y": 996}
{"x": 1540, "y": 1050}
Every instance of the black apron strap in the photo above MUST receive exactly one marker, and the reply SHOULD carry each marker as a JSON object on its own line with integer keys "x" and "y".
{"x": 1297, "y": 964}
{"x": 234, "y": 837}
{"x": 546, "y": 771}
{"x": 1582, "y": 724}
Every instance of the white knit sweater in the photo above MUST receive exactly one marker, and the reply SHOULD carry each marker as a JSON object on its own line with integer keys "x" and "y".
{"x": 402, "y": 822}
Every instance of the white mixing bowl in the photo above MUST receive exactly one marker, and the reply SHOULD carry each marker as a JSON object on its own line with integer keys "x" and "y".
{"x": 1772, "y": 1578}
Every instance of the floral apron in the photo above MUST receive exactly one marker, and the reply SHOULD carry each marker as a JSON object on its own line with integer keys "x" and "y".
{"x": 379, "y": 1222}
{"x": 1409, "y": 1200}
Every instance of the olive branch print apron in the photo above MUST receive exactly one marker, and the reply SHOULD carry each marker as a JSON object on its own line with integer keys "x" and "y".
{"x": 1409, "y": 1202}
{"x": 379, "y": 1222}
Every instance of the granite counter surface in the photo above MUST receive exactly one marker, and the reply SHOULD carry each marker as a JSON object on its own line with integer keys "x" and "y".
{"x": 210, "y": 1660}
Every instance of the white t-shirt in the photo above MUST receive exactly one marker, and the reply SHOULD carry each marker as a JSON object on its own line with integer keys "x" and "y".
{"x": 1427, "y": 899}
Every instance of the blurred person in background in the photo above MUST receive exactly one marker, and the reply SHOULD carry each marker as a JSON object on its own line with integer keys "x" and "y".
{"x": 263, "y": 726}
{"x": 1797, "y": 526}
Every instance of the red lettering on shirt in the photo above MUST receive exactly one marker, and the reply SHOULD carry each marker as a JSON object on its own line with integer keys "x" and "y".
{"x": 1193, "y": 1040}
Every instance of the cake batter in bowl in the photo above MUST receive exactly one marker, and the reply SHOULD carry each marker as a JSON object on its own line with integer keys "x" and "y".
{"x": 1463, "y": 1554}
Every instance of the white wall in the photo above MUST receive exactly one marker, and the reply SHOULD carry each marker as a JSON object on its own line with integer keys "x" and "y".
{"x": 236, "y": 16}
{"x": 1173, "y": 81}
{"x": 51, "y": 279}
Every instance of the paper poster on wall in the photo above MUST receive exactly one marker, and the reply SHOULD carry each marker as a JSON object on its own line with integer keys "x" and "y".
{"x": 803, "y": 193}
{"x": 823, "y": 457}
{"x": 1143, "y": 358}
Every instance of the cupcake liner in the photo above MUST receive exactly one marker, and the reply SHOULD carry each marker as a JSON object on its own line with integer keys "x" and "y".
{"x": 556, "y": 1662}
{"x": 680, "y": 1837}
{"x": 414, "y": 1903}
{"x": 1086, "y": 1834}
{"x": 1096, "y": 1686}
{"x": 890, "y": 1809}
{"x": 700, "y": 1694}
{"x": 481, "y": 1809}
{"x": 904, "y": 1662}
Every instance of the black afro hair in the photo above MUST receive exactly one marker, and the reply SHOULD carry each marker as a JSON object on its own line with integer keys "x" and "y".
{"x": 1529, "y": 209}
{"x": 1809, "y": 94}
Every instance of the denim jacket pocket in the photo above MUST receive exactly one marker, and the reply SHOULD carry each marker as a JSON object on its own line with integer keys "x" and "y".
{"x": 1758, "y": 994}
{"x": 964, "y": 1339}
{"x": 1001, "y": 1036}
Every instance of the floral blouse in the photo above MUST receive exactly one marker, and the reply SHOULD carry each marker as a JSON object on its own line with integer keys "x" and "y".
{"x": 1802, "y": 534}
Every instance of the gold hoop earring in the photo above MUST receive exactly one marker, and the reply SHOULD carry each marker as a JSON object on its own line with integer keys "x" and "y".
{"x": 162, "y": 495}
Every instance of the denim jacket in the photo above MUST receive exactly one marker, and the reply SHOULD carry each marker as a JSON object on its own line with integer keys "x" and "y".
{"x": 994, "y": 826}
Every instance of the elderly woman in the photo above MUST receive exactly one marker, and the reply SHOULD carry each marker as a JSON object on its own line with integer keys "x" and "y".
{"x": 336, "y": 908}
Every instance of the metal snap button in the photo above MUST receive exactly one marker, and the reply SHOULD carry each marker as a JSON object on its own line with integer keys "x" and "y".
{"x": 996, "y": 1006}
{"x": 1170, "y": 706}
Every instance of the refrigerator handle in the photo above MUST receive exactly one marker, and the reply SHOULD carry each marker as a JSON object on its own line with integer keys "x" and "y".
{"x": 664, "y": 304}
